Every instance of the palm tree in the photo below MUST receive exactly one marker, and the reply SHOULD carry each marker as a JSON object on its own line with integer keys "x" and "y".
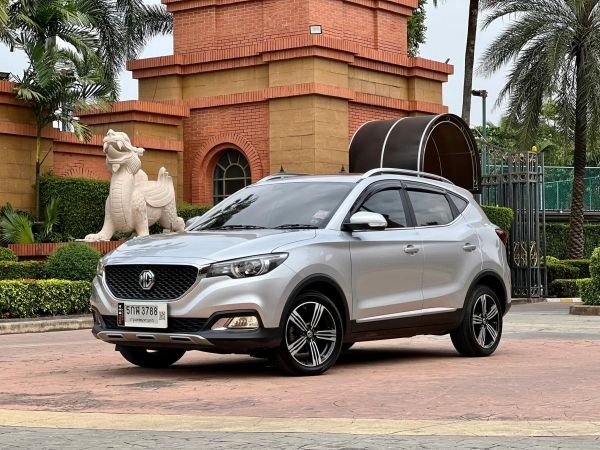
{"x": 469, "y": 57}
{"x": 554, "y": 48}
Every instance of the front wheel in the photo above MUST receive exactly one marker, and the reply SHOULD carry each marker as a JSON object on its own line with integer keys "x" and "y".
{"x": 480, "y": 331}
{"x": 312, "y": 335}
{"x": 153, "y": 359}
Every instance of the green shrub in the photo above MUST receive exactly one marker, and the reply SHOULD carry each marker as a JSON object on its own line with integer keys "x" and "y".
{"x": 6, "y": 254}
{"x": 589, "y": 290}
{"x": 76, "y": 261}
{"x": 187, "y": 211}
{"x": 81, "y": 201}
{"x": 13, "y": 270}
{"x": 557, "y": 239}
{"x": 563, "y": 288}
{"x": 582, "y": 264}
{"x": 500, "y": 216}
{"x": 560, "y": 270}
{"x": 595, "y": 264}
{"x": 30, "y": 298}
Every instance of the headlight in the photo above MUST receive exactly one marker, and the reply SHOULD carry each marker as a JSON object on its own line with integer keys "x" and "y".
{"x": 100, "y": 268}
{"x": 247, "y": 267}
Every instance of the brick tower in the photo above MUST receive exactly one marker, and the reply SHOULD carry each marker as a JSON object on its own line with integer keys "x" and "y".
{"x": 257, "y": 80}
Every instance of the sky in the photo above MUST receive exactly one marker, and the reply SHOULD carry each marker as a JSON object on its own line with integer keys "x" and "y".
{"x": 446, "y": 37}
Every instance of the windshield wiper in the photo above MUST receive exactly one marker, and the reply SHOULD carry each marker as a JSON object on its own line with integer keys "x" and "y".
{"x": 237, "y": 227}
{"x": 292, "y": 226}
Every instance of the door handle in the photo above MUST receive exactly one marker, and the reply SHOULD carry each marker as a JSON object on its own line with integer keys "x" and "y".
{"x": 469, "y": 247}
{"x": 411, "y": 249}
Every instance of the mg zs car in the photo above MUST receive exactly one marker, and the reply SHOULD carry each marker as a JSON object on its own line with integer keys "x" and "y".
{"x": 298, "y": 268}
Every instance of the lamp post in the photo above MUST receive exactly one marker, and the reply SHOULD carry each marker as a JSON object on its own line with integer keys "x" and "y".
{"x": 483, "y": 94}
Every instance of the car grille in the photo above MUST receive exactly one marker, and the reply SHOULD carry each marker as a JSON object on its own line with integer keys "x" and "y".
{"x": 170, "y": 281}
{"x": 176, "y": 325}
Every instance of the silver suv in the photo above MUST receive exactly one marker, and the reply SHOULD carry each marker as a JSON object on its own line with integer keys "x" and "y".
{"x": 298, "y": 268}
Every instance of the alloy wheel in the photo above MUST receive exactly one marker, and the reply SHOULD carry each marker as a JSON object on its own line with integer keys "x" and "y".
{"x": 486, "y": 321}
{"x": 311, "y": 334}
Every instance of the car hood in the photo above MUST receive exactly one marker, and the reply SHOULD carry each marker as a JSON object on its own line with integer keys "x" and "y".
{"x": 207, "y": 245}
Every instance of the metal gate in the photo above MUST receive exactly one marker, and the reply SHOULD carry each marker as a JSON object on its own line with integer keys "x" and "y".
{"x": 515, "y": 180}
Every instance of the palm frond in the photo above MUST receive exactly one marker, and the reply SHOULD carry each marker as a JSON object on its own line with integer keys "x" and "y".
{"x": 15, "y": 228}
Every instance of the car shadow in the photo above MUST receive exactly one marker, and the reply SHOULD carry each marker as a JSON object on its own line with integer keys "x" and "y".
{"x": 241, "y": 366}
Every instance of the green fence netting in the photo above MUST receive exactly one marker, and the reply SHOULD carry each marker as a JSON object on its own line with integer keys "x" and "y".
{"x": 558, "y": 184}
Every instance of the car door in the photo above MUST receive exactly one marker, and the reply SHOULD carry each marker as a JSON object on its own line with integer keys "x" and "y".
{"x": 451, "y": 247}
{"x": 387, "y": 265}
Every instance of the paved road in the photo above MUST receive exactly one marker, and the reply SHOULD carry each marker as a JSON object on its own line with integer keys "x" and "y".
{"x": 542, "y": 382}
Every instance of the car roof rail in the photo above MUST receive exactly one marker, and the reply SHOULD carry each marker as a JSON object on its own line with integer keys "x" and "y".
{"x": 279, "y": 176}
{"x": 412, "y": 173}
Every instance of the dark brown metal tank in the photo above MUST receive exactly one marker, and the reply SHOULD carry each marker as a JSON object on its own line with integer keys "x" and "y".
{"x": 440, "y": 144}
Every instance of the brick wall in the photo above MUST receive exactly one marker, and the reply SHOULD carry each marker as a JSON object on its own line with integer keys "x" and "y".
{"x": 209, "y": 131}
{"x": 359, "y": 114}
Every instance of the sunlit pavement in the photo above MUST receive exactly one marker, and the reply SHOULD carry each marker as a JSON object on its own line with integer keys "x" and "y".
{"x": 66, "y": 390}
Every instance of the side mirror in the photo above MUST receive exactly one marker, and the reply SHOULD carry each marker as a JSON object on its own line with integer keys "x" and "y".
{"x": 364, "y": 220}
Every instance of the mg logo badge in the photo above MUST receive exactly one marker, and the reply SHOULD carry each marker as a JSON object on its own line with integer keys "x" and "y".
{"x": 147, "y": 280}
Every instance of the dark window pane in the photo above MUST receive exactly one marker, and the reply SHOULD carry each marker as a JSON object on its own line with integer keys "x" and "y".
{"x": 235, "y": 171}
{"x": 388, "y": 203}
{"x": 459, "y": 202}
{"x": 430, "y": 208}
{"x": 231, "y": 174}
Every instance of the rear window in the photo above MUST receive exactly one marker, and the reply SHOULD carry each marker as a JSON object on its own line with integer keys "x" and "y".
{"x": 459, "y": 202}
{"x": 430, "y": 208}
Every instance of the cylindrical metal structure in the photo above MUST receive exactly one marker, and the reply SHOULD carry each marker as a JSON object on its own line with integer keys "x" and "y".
{"x": 442, "y": 144}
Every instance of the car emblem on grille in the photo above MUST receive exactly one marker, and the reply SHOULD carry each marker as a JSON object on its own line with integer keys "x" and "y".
{"x": 147, "y": 280}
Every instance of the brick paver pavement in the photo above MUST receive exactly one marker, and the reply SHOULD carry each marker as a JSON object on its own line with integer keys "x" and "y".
{"x": 545, "y": 371}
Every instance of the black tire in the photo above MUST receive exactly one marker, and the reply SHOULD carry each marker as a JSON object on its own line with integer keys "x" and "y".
{"x": 152, "y": 359}
{"x": 313, "y": 355}
{"x": 347, "y": 346}
{"x": 468, "y": 338}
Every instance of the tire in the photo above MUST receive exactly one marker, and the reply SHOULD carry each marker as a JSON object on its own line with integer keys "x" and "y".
{"x": 312, "y": 335}
{"x": 153, "y": 359}
{"x": 347, "y": 346}
{"x": 468, "y": 338}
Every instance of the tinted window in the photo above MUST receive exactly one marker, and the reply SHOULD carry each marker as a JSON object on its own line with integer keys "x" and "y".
{"x": 430, "y": 208}
{"x": 274, "y": 205}
{"x": 388, "y": 203}
{"x": 459, "y": 202}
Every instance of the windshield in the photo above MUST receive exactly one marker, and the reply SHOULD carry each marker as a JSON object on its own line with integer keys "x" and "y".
{"x": 284, "y": 205}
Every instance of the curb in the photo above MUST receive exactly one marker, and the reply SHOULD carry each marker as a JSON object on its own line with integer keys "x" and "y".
{"x": 41, "y": 325}
{"x": 584, "y": 310}
{"x": 527, "y": 301}
{"x": 564, "y": 300}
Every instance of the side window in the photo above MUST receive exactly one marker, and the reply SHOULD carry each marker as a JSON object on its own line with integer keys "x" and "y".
{"x": 430, "y": 208}
{"x": 459, "y": 202}
{"x": 388, "y": 203}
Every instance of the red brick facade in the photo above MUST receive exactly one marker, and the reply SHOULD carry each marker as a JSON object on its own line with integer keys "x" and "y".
{"x": 248, "y": 75}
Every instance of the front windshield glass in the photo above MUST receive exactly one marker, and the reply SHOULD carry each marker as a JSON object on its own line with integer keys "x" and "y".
{"x": 285, "y": 205}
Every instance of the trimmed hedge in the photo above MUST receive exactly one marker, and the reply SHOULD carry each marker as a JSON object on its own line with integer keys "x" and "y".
{"x": 31, "y": 298}
{"x": 6, "y": 254}
{"x": 589, "y": 290}
{"x": 557, "y": 239}
{"x": 12, "y": 270}
{"x": 82, "y": 202}
{"x": 75, "y": 262}
{"x": 563, "y": 288}
{"x": 560, "y": 271}
{"x": 595, "y": 264}
{"x": 500, "y": 216}
{"x": 582, "y": 264}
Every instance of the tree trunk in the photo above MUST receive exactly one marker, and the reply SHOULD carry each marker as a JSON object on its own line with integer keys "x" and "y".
{"x": 38, "y": 164}
{"x": 470, "y": 59}
{"x": 576, "y": 236}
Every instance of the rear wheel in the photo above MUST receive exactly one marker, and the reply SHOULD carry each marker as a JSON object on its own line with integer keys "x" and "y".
{"x": 153, "y": 359}
{"x": 312, "y": 338}
{"x": 481, "y": 329}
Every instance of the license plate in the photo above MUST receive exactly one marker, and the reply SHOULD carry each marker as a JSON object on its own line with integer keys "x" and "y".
{"x": 142, "y": 315}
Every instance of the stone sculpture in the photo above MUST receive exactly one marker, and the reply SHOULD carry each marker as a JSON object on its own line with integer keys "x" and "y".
{"x": 134, "y": 203}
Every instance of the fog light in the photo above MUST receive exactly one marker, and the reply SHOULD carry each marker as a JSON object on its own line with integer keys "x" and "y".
{"x": 236, "y": 323}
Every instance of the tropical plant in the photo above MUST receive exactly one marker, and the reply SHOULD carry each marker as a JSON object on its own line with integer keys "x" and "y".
{"x": 416, "y": 29}
{"x": 554, "y": 48}
{"x": 469, "y": 57}
{"x": 17, "y": 228}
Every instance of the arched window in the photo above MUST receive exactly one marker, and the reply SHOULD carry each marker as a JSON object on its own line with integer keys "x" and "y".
{"x": 231, "y": 174}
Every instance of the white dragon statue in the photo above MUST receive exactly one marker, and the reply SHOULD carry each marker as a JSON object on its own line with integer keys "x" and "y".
{"x": 134, "y": 203}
